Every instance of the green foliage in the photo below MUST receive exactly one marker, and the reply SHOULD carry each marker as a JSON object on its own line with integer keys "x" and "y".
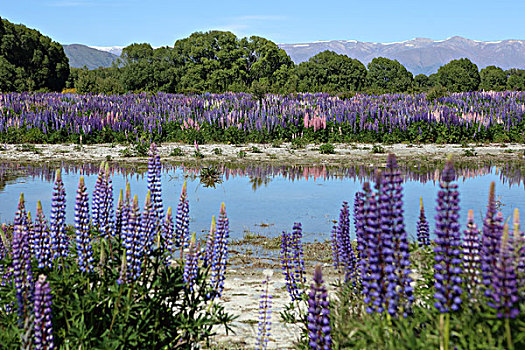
{"x": 459, "y": 76}
{"x": 30, "y": 61}
{"x": 492, "y": 79}
{"x": 327, "y": 148}
{"x": 330, "y": 72}
{"x": 515, "y": 79}
{"x": 437, "y": 92}
{"x": 176, "y": 152}
{"x": 378, "y": 149}
{"x": 94, "y": 311}
{"x": 388, "y": 76}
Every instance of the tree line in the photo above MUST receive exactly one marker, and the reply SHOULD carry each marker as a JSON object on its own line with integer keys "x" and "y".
{"x": 218, "y": 61}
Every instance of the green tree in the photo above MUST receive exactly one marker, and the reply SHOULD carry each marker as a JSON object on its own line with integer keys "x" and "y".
{"x": 30, "y": 60}
{"x": 422, "y": 82}
{"x": 385, "y": 75}
{"x": 515, "y": 79}
{"x": 459, "y": 76}
{"x": 330, "y": 72}
{"x": 492, "y": 79}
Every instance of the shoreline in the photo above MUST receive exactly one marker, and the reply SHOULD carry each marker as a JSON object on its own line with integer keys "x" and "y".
{"x": 266, "y": 154}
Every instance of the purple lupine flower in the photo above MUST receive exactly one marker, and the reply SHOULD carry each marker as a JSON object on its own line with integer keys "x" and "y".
{"x": 148, "y": 224}
{"x": 118, "y": 215}
{"x": 298, "y": 255}
{"x": 519, "y": 241}
{"x": 169, "y": 236}
{"x": 265, "y": 314}
{"x": 319, "y": 314}
{"x": 220, "y": 253}
{"x": 343, "y": 245}
{"x": 359, "y": 223}
{"x": 57, "y": 222}
{"x": 447, "y": 270}
{"x": 43, "y": 328}
{"x": 393, "y": 226}
{"x": 22, "y": 273}
{"x": 490, "y": 240}
{"x": 191, "y": 264}
{"x": 377, "y": 269}
{"x": 105, "y": 217}
{"x": 210, "y": 242}
{"x": 423, "y": 229}
{"x": 21, "y": 213}
{"x": 286, "y": 258}
{"x": 182, "y": 220}
{"x": 154, "y": 181}
{"x": 471, "y": 254}
{"x": 83, "y": 238}
{"x": 133, "y": 242}
{"x": 41, "y": 239}
{"x": 504, "y": 291}
{"x": 98, "y": 197}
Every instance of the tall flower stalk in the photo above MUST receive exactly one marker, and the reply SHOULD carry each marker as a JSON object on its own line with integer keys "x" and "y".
{"x": 57, "y": 222}
{"x": 319, "y": 330}
{"x": 43, "y": 328}
{"x": 265, "y": 314}
{"x": 220, "y": 253}
{"x": 182, "y": 220}
{"x": 447, "y": 269}
{"x": 82, "y": 232}
{"x": 471, "y": 255}
{"x": 191, "y": 264}
{"x": 423, "y": 229}
{"x": 41, "y": 239}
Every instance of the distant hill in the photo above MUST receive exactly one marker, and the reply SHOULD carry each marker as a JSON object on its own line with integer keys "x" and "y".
{"x": 420, "y": 55}
{"x": 82, "y": 55}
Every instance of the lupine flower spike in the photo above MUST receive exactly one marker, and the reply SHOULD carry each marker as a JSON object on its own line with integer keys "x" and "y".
{"x": 191, "y": 264}
{"x": 169, "y": 236}
{"x": 41, "y": 239}
{"x": 471, "y": 253}
{"x": 210, "y": 241}
{"x": 220, "y": 253}
{"x": 319, "y": 330}
{"x": 43, "y": 328}
{"x": 265, "y": 313}
{"x": 57, "y": 222}
{"x": 22, "y": 273}
{"x": 423, "y": 230}
{"x": 182, "y": 221}
{"x": 447, "y": 270}
{"x": 83, "y": 236}
{"x": 134, "y": 242}
{"x": 490, "y": 240}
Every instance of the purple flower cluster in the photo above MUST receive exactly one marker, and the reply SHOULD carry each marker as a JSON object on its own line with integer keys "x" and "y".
{"x": 220, "y": 253}
{"x": 490, "y": 240}
{"x": 344, "y": 256}
{"x": 504, "y": 288}
{"x": 359, "y": 224}
{"x": 292, "y": 262}
{"x": 154, "y": 181}
{"x": 265, "y": 316}
{"x": 148, "y": 225}
{"x": 82, "y": 232}
{"x": 182, "y": 220}
{"x": 471, "y": 255}
{"x": 57, "y": 222}
{"x": 168, "y": 233}
{"x": 41, "y": 241}
{"x": 43, "y": 328}
{"x": 423, "y": 229}
{"x": 319, "y": 330}
{"x": 447, "y": 269}
{"x": 133, "y": 241}
{"x": 191, "y": 264}
{"x": 22, "y": 273}
{"x": 384, "y": 263}
{"x": 102, "y": 207}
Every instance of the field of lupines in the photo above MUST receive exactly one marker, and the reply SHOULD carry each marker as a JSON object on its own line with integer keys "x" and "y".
{"x": 137, "y": 279}
{"x": 238, "y": 118}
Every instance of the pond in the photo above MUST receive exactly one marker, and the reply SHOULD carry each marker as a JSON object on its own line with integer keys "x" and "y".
{"x": 266, "y": 199}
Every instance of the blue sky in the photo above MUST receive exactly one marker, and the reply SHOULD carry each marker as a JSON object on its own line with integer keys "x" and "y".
{"x": 122, "y": 22}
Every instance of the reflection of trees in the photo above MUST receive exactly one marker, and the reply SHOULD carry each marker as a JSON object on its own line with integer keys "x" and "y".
{"x": 258, "y": 181}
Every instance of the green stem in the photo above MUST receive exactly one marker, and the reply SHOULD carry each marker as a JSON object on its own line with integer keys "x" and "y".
{"x": 446, "y": 335}
{"x": 508, "y": 334}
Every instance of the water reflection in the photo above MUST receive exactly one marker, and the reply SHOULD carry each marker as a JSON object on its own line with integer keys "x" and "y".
{"x": 266, "y": 199}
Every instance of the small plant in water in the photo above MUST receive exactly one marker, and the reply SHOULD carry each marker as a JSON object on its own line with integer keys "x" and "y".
{"x": 176, "y": 152}
{"x": 377, "y": 149}
{"x": 327, "y": 148}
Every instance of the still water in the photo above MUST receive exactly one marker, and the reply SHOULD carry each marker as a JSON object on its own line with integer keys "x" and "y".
{"x": 266, "y": 200}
